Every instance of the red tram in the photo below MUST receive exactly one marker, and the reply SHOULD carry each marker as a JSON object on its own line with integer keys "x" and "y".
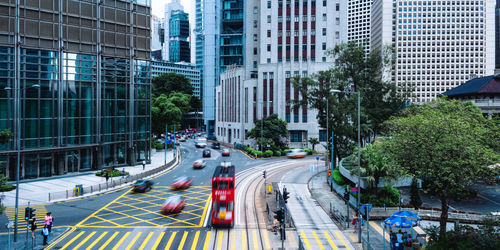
{"x": 223, "y": 183}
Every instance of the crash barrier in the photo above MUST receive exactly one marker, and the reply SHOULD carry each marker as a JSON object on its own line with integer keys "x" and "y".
{"x": 113, "y": 182}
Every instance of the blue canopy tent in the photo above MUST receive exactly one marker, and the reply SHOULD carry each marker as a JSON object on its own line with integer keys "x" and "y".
{"x": 402, "y": 219}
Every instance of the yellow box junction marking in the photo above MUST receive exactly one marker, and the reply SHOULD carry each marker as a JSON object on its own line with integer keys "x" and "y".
{"x": 169, "y": 243}
{"x": 158, "y": 241}
{"x": 145, "y": 242}
{"x": 72, "y": 240}
{"x": 308, "y": 246}
{"x": 207, "y": 240}
{"x": 317, "y": 240}
{"x": 131, "y": 210}
{"x": 84, "y": 240}
{"x": 108, "y": 241}
{"x": 330, "y": 240}
{"x": 96, "y": 241}
{"x": 121, "y": 240}
{"x": 133, "y": 241}
{"x": 195, "y": 241}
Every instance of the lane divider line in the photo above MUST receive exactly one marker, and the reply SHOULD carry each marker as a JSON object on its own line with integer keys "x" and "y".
{"x": 330, "y": 241}
{"x": 317, "y": 240}
{"x": 306, "y": 241}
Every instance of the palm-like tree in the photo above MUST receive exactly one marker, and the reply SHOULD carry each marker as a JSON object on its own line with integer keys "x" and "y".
{"x": 314, "y": 141}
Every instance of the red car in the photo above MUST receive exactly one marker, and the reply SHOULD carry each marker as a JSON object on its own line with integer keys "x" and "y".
{"x": 199, "y": 164}
{"x": 225, "y": 152}
{"x": 182, "y": 182}
{"x": 173, "y": 204}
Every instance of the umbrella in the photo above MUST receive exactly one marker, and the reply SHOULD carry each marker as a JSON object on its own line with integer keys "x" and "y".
{"x": 402, "y": 219}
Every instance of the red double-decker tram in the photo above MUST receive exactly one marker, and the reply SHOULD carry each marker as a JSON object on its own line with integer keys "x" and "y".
{"x": 223, "y": 183}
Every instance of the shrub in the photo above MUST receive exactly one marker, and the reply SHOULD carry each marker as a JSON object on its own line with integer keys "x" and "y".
{"x": 268, "y": 153}
{"x": 240, "y": 146}
{"x": 390, "y": 192}
{"x": 114, "y": 173}
{"x": 337, "y": 177}
{"x": 277, "y": 153}
{"x": 287, "y": 151}
{"x": 308, "y": 151}
{"x": 258, "y": 153}
{"x": 7, "y": 187}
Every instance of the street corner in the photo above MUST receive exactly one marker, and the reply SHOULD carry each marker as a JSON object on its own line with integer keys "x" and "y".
{"x": 10, "y": 215}
{"x": 143, "y": 209}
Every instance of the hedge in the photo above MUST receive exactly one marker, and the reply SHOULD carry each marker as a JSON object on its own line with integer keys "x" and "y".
{"x": 111, "y": 174}
{"x": 387, "y": 196}
{"x": 308, "y": 151}
{"x": 7, "y": 187}
{"x": 287, "y": 151}
{"x": 268, "y": 153}
{"x": 258, "y": 153}
{"x": 338, "y": 178}
{"x": 277, "y": 153}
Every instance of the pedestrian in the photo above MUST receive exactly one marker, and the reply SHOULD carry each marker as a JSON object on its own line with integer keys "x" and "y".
{"x": 355, "y": 222}
{"x": 51, "y": 221}
{"x": 48, "y": 221}
{"x": 33, "y": 227}
{"x": 45, "y": 234}
{"x": 107, "y": 176}
{"x": 123, "y": 173}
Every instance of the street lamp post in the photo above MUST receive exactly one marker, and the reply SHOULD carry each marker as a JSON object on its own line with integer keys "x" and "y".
{"x": 17, "y": 111}
{"x": 359, "y": 150}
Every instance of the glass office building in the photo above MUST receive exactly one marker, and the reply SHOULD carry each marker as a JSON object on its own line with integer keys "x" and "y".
{"x": 84, "y": 98}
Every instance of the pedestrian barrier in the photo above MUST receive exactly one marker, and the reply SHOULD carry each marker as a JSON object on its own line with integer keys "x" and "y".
{"x": 80, "y": 190}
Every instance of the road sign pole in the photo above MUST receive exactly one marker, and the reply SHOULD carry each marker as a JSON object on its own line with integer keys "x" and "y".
{"x": 27, "y": 227}
{"x": 175, "y": 140}
{"x": 165, "y": 143}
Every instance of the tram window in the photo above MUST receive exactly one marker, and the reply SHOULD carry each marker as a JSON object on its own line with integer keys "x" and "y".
{"x": 223, "y": 206}
{"x": 230, "y": 206}
{"x": 214, "y": 207}
{"x": 230, "y": 185}
{"x": 222, "y": 184}
{"x": 214, "y": 185}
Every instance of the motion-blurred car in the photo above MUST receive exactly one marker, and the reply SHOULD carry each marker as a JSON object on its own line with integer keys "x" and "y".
{"x": 182, "y": 182}
{"x": 182, "y": 139}
{"x": 174, "y": 204}
{"x": 207, "y": 153}
{"x": 141, "y": 186}
{"x": 200, "y": 143}
{"x": 199, "y": 164}
{"x": 297, "y": 153}
{"x": 225, "y": 152}
{"x": 216, "y": 145}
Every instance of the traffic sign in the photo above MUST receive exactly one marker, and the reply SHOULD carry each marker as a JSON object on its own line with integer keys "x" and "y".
{"x": 317, "y": 158}
{"x": 169, "y": 141}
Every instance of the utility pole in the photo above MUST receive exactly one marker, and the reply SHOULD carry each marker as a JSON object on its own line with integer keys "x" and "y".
{"x": 165, "y": 143}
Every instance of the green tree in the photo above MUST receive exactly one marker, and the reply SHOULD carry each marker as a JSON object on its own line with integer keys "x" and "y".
{"x": 171, "y": 82}
{"x": 415, "y": 199}
{"x": 5, "y": 136}
{"x": 273, "y": 129}
{"x": 180, "y": 100}
{"x": 375, "y": 165}
{"x": 314, "y": 141}
{"x": 446, "y": 143}
{"x": 164, "y": 111}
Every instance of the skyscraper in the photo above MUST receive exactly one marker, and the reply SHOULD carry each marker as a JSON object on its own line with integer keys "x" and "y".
{"x": 178, "y": 32}
{"x": 232, "y": 33}
{"x": 438, "y": 44}
{"x": 84, "y": 89}
{"x": 497, "y": 30}
{"x": 358, "y": 22}
{"x": 174, "y": 5}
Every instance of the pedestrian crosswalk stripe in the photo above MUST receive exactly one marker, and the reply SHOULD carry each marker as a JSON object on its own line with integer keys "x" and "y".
{"x": 207, "y": 240}
{"x": 143, "y": 245}
{"x": 255, "y": 242}
{"x": 108, "y": 241}
{"x": 195, "y": 241}
{"x": 84, "y": 240}
{"x": 244, "y": 239}
{"x": 317, "y": 240}
{"x": 121, "y": 240}
{"x": 342, "y": 240}
{"x": 96, "y": 241}
{"x": 158, "y": 241}
{"x": 233, "y": 237}
{"x": 133, "y": 241}
{"x": 330, "y": 240}
{"x": 72, "y": 240}
{"x": 266, "y": 239}
{"x": 304, "y": 238}
{"x": 219, "y": 240}
{"x": 183, "y": 240}
{"x": 169, "y": 243}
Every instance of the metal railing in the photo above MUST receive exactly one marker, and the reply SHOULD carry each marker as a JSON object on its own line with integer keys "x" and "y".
{"x": 112, "y": 183}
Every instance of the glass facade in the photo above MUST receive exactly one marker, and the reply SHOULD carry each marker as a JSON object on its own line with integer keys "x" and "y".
{"x": 63, "y": 132}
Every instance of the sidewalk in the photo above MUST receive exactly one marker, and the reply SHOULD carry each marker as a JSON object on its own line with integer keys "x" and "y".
{"x": 329, "y": 200}
{"x": 57, "y": 188}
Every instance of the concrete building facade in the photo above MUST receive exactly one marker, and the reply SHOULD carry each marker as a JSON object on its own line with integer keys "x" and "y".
{"x": 359, "y": 22}
{"x": 438, "y": 44}
{"x": 75, "y": 85}
{"x": 287, "y": 39}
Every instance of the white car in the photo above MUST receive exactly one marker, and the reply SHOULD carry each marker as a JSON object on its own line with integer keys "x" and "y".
{"x": 297, "y": 153}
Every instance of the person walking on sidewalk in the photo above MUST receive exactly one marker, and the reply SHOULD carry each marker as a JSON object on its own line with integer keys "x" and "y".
{"x": 45, "y": 234}
{"x": 355, "y": 221}
{"x": 33, "y": 227}
{"x": 107, "y": 176}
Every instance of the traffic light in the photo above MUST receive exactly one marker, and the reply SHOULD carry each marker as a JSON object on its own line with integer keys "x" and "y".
{"x": 346, "y": 195}
{"x": 285, "y": 195}
{"x": 264, "y": 174}
{"x": 32, "y": 213}
{"x": 280, "y": 215}
{"x": 27, "y": 213}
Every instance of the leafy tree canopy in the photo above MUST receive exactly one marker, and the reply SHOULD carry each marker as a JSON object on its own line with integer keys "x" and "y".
{"x": 273, "y": 128}
{"x": 171, "y": 82}
{"x": 446, "y": 143}
{"x": 168, "y": 110}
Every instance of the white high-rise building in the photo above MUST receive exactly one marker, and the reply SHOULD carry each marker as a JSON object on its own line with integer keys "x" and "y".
{"x": 438, "y": 44}
{"x": 358, "y": 22}
{"x": 283, "y": 39}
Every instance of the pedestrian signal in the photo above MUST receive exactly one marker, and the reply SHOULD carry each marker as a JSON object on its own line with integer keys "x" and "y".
{"x": 280, "y": 215}
{"x": 285, "y": 195}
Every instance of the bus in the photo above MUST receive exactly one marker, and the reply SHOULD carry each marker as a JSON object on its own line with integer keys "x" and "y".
{"x": 223, "y": 183}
